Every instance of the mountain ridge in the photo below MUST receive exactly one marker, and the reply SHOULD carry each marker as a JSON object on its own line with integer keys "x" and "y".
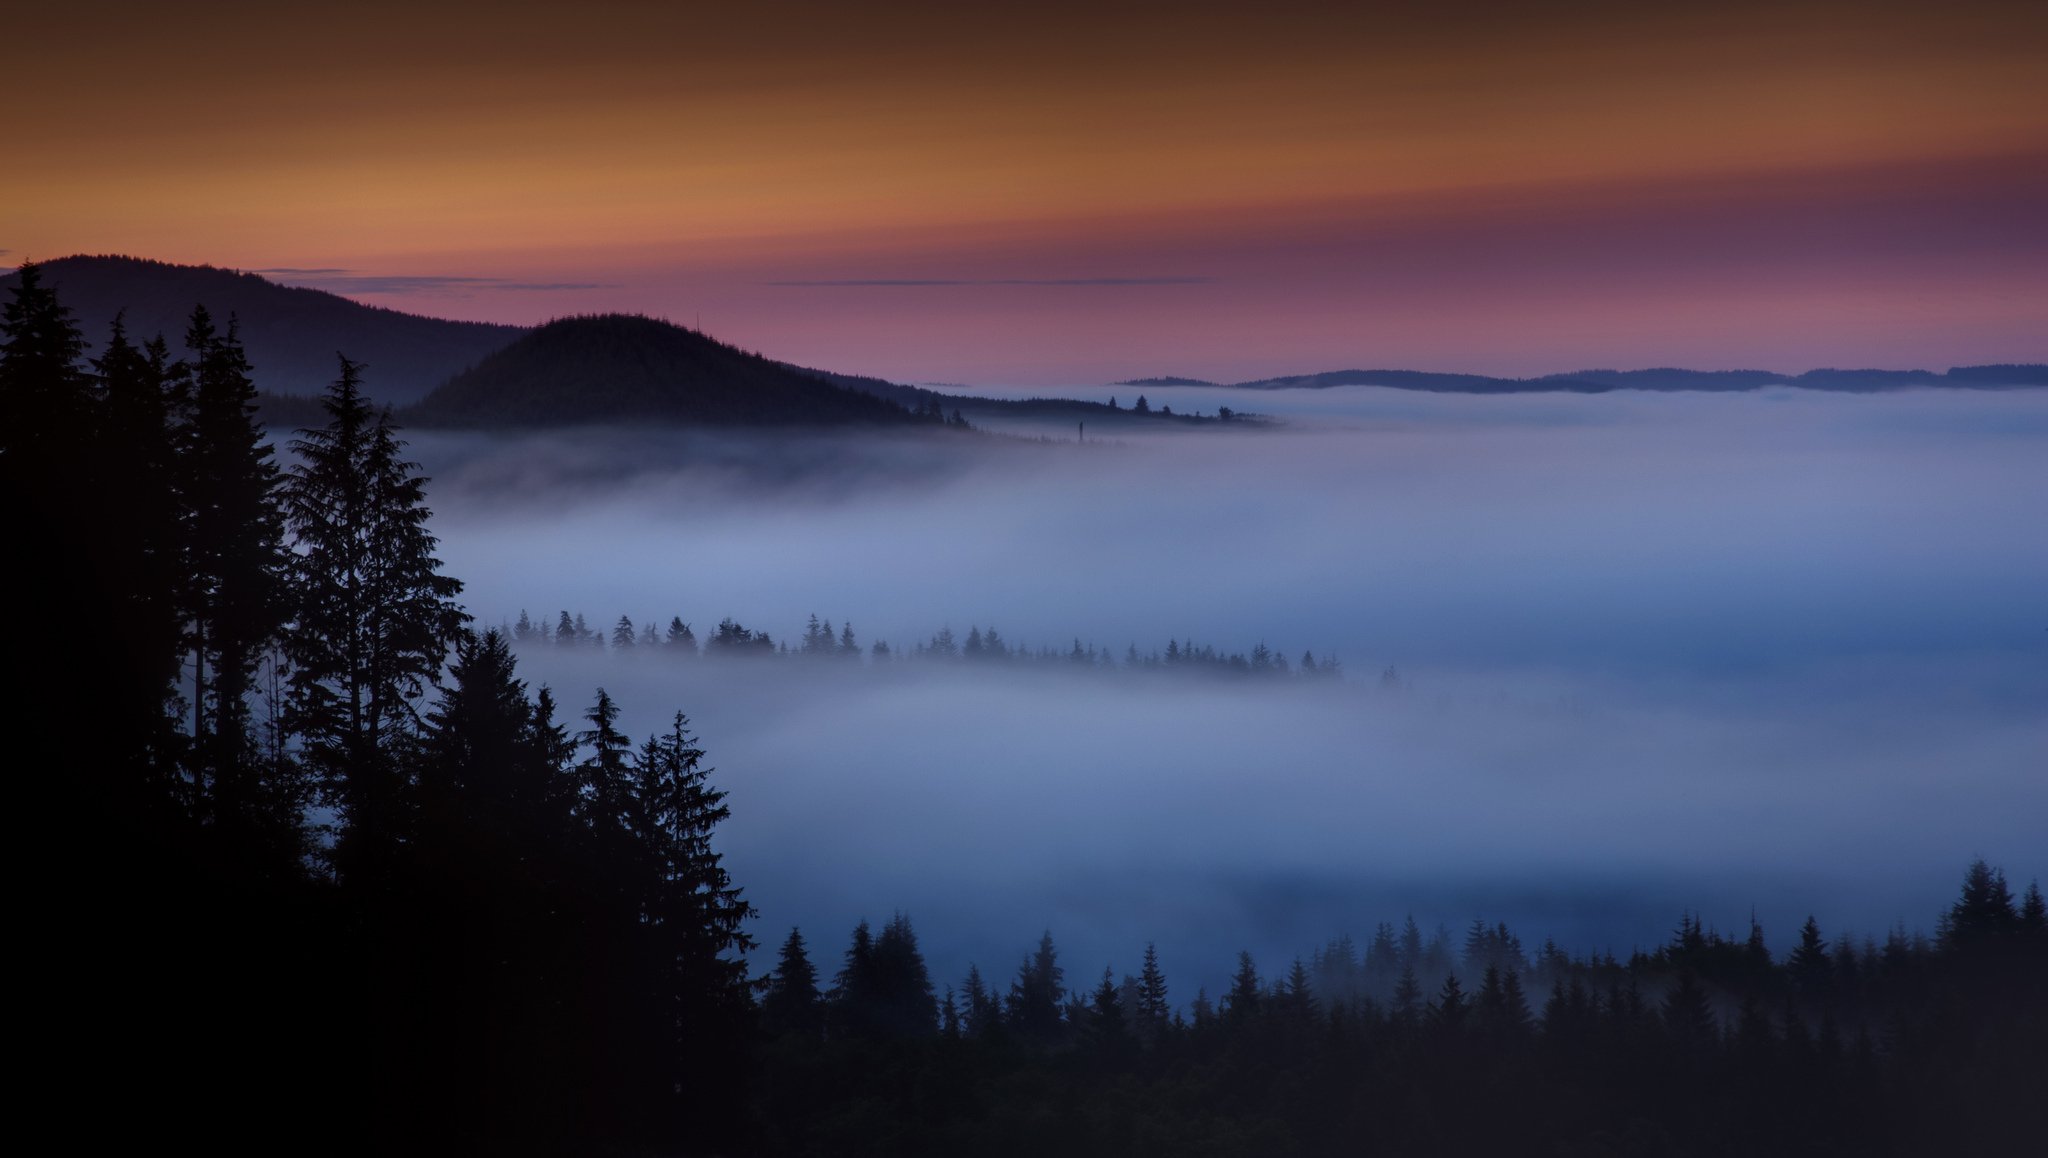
{"x": 1995, "y": 376}
{"x": 292, "y": 333}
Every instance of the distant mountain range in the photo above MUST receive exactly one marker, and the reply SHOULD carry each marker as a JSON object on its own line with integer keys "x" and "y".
{"x": 291, "y": 334}
{"x": 1995, "y": 377}
{"x": 622, "y": 368}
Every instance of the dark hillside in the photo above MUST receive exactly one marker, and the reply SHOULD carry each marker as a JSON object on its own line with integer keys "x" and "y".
{"x": 626, "y": 368}
{"x": 291, "y": 334}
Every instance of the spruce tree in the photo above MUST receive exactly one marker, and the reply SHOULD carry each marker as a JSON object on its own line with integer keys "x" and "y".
{"x": 1153, "y": 1010}
{"x": 903, "y": 999}
{"x": 1036, "y": 995}
{"x": 1244, "y": 997}
{"x": 1811, "y": 970}
{"x": 984, "y": 1015}
{"x": 603, "y": 778}
{"x": 1984, "y": 914}
{"x": 141, "y": 562}
{"x": 1106, "y": 1015}
{"x": 1449, "y": 1010}
{"x": 235, "y": 597}
{"x": 46, "y": 399}
{"x": 374, "y": 617}
{"x": 790, "y": 1006}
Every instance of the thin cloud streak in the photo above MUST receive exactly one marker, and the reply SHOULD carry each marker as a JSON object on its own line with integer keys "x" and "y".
{"x": 937, "y": 281}
{"x": 344, "y": 281}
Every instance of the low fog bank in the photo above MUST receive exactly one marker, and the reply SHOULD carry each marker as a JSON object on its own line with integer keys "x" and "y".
{"x": 1662, "y": 651}
{"x": 1661, "y": 532}
{"x": 1211, "y": 816}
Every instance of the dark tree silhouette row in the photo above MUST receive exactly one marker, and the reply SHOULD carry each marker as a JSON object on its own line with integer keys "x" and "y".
{"x": 820, "y": 641}
{"x": 1707, "y": 1045}
{"x": 330, "y": 878}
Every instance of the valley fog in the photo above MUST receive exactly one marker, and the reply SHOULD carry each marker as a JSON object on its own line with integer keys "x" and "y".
{"x": 1781, "y": 651}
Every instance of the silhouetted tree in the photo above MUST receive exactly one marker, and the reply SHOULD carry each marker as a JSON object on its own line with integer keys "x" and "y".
{"x": 235, "y": 596}
{"x": 1244, "y": 997}
{"x": 1811, "y": 970}
{"x": 791, "y": 1003}
{"x": 1035, "y": 996}
{"x": 374, "y": 616}
{"x": 1449, "y": 1010}
{"x": 1984, "y": 914}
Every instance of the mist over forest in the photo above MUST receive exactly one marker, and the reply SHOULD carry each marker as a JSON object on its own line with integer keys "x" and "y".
{"x": 1780, "y": 652}
{"x": 1315, "y": 692}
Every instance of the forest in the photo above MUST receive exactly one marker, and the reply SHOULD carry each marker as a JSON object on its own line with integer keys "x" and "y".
{"x": 329, "y": 875}
{"x": 732, "y": 639}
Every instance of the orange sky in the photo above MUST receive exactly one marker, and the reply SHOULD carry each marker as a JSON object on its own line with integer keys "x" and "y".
{"x": 1217, "y": 189}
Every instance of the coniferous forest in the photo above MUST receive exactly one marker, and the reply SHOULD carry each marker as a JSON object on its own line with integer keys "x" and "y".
{"x": 322, "y": 872}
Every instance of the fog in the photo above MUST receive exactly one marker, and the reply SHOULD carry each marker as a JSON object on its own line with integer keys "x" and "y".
{"x": 1784, "y": 652}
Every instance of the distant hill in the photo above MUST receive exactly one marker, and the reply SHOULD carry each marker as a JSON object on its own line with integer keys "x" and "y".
{"x": 1998, "y": 377}
{"x": 1168, "y": 380}
{"x": 627, "y": 368}
{"x": 291, "y": 334}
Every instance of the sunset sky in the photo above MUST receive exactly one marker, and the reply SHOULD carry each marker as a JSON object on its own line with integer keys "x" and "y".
{"x": 1070, "y": 193}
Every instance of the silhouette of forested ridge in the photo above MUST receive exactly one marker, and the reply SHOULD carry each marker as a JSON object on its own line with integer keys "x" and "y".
{"x": 678, "y": 639}
{"x": 327, "y": 875}
{"x": 292, "y": 332}
{"x": 611, "y": 368}
{"x": 1991, "y": 377}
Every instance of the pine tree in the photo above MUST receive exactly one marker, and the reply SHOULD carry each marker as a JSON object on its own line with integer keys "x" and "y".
{"x": 983, "y": 1015}
{"x": 141, "y": 559}
{"x": 1983, "y": 915}
{"x": 1449, "y": 1009}
{"x": 1687, "y": 1016}
{"x": 681, "y": 641}
{"x": 2033, "y": 916}
{"x": 604, "y": 777}
{"x": 1515, "y": 1016}
{"x": 1152, "y": 1009}
{"x": 854, "y": 989}
{"x": 791, "y": 1004}
{"x": 1036, "y": 995}
{"x": 1244, "y": 997}
{"x": 235, "y": 596}
{"x": 903, "y": 1000}
{"x": 691, "y": 922}
{"x": 1106, "y": 1015}
{"x": 46, "y": 400}
{"x": 1301, "y": 994}
{"x": 1407, "y": 994}
{"x": 375, "y": 617}
{"x": 482, "y": 768}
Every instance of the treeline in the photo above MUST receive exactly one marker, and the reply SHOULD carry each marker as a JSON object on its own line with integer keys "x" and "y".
{"x": 1707, "y": 1045}
{"x": 820, "y": 640}
{"x": 320, "y": 873}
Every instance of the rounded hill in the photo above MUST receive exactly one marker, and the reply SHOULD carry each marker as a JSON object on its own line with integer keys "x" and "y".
{"x": 610, "y": 368}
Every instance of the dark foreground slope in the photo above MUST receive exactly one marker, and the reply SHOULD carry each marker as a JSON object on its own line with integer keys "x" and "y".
{"x": 291, "y": 334}
{"x": 612, "y": 368}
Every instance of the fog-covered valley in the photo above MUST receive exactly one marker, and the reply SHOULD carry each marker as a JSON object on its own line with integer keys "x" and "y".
{"x": 1779, "y": 651}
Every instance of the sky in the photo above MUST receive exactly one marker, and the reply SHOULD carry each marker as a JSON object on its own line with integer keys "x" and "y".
{"x": 1074, "y": 193}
